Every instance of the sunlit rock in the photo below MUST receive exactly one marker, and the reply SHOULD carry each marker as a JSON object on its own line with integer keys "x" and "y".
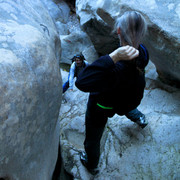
{"x": 30, "y": 91}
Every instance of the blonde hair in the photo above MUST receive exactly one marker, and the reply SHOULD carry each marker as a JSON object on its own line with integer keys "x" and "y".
{"x": 132, "y": 27}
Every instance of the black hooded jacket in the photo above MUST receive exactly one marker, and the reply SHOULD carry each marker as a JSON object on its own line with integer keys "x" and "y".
{"x": 119, "y": 86}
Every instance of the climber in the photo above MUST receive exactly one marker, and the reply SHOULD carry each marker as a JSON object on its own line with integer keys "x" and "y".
{"x": 78, "y": 64}
{"x": 116, "y": 84}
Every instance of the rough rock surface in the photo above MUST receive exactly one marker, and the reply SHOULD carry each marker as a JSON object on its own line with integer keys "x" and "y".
{"x": 163, "y": 38}
{"x": 30, "y": 91}
{"x": 128, "y": 152}
{"x": 73, "y": 39}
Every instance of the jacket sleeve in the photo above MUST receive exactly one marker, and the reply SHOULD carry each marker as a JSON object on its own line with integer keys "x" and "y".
{"x": 100, "y": 76}
{"x": 145, "y": 55}
{"x": 71, "y": 75}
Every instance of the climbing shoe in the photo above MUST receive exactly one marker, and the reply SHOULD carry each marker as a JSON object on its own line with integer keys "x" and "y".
{"x": 141, "y": 121}
{"x": 84, "y": 161}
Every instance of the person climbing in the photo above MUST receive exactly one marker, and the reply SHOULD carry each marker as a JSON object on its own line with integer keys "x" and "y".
{"x": 116, "y": 84}
{"x": 78, "y": 64}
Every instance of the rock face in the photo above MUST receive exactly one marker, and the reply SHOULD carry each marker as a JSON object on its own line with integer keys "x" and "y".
{"x": 73, "y": 39}
{"x": 127, "y": 152}
{"x": 30, "y": 91}
{"x": 163, "y": 37}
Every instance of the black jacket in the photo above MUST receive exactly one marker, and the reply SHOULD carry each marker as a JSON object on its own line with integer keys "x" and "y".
{"x": 119, "y": 85}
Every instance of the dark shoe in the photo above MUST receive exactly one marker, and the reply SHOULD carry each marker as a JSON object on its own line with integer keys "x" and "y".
{"x": 84, "y": 161}
{"x": 142, "y": 122}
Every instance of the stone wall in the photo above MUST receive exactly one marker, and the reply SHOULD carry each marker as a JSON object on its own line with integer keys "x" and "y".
{"x": 30, "y": 91}
{"x": 163, "y": 37}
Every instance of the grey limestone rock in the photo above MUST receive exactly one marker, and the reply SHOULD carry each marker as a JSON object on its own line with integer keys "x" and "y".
{"x": 163, "y": 37}
{"x": 30, "y": 91}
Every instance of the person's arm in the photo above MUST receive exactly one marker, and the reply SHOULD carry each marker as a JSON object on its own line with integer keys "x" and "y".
{"x": 124, "y": 53}
{"x": 71, "y": 76}
{"x": 145, "y": 55}
{"x": 103, "y": 74}
{"x": 99, "y": 76}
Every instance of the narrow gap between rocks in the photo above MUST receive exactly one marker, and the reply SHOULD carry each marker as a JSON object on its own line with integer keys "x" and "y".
{"x": 59, "y": 172}
{"x": 4, "y": 178}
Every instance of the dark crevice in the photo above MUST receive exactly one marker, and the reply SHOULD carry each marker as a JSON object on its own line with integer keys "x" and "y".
{"x": 59, "y": 172}
{"x": 4, "y": 178}
{"x": 71, "y": 2}
{"x": 72, "y": 5}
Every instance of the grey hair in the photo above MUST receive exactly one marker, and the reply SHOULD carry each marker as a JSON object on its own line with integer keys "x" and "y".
{"x": 132, "y": 26}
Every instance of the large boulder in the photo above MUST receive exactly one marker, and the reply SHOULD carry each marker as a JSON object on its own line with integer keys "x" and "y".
{"x": 30, "y": 91}
{"x": 163, "y": 37}
{"x": 60, "y": 13}
{"x": 76, "y": 43}
{"x": 127, "y": 152}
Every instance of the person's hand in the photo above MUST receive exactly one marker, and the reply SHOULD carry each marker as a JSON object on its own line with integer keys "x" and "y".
{"x": 124, "y": 53}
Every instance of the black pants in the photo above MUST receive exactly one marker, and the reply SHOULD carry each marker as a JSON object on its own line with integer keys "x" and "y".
{"x": 95, "y": 121}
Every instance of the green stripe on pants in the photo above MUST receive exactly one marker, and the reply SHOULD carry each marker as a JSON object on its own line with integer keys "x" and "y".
{"x": 104, "y": 106}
